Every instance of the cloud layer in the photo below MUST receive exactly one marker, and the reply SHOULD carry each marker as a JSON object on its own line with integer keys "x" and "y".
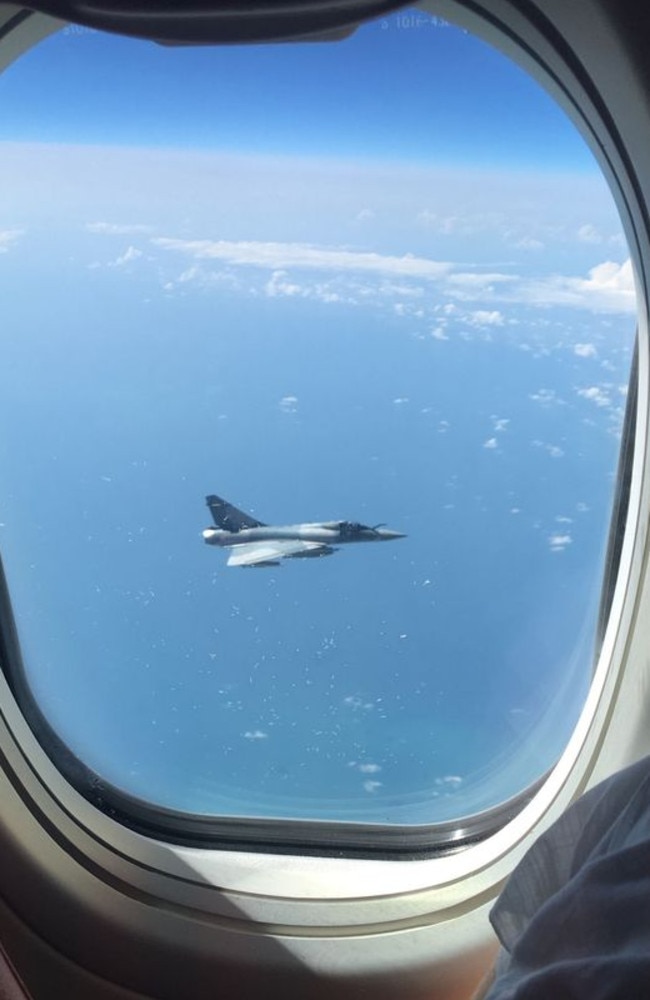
{"x": 408, "y": 280}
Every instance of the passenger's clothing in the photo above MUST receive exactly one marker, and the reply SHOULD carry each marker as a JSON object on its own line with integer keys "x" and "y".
{"x": 574, "y": 917}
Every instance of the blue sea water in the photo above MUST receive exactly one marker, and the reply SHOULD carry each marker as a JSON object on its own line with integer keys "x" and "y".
{"x": 408, "y": 682}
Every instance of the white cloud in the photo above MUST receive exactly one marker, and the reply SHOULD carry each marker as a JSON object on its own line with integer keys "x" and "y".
{"x": 356, "y": 703}
{"x": 609, "y": 287}
{"x": 589, "y": 234}
{"x": 130, "y": 254}
{"x": 585, "y": 350}
{"x": 479, "y": 281}
{"x": 558, "y": 543}
{"x": 546, "y": 397}
{"x": 485, "y": 317}
{"x": 553, "y": 450}
{"x": 289, "y": 404}
{"x": 364, "y": 215}
{"x": 391, "y": 280}
{"x": 117, "y": 229}
{"x": 596, "y": 395}
{"x": 438, "y": 333}
{"x": 364, "y": 767}
{"x": 491, "y": 443}
{"x": 450, "y": 781}
{"x": 255, "y": 734}
{"x": 207, "y": 279}
{"x": 372, "y": 786}
{"x": 278, "y": 285}
{"x": 529, "y": 243}
{"x": 9, "y": 236}
{"x": 446, "y": 225}
{"x": 500, "y": 424}
{"x": 280, "y": 256}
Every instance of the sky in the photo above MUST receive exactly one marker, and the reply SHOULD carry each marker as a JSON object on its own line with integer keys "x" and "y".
{"x": 380, "y": 280}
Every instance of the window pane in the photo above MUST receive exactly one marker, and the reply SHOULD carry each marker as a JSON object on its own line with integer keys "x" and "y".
{"x": 380, "y": 280}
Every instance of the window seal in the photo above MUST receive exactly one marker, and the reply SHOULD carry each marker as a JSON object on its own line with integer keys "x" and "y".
{"x": 620, "y": 505}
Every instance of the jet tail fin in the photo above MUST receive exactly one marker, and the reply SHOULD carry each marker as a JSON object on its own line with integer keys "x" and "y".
{"x": 230, "y": 518}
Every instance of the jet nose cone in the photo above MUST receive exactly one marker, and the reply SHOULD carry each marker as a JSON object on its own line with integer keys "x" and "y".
{"x": 387, "y": 535}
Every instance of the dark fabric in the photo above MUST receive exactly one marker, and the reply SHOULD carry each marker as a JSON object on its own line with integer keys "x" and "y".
{"x": 574, "y": 918}
{"x": 10, "y": 986}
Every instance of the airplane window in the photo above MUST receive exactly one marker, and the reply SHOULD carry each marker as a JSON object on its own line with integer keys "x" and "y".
{"x": 315, "y": 364}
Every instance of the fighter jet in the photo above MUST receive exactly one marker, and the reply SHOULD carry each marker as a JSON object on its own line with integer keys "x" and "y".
{"x": 254, "y": 543}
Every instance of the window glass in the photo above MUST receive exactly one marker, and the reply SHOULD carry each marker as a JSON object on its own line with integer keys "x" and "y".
{"x": 378, "y": 281}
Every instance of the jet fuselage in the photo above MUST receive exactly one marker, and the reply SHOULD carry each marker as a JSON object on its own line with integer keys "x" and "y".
{"x": 326, "y": 532}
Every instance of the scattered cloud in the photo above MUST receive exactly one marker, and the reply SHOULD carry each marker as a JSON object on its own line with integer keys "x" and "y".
{"x": 500, "y": 424}
{"x": 130, "y": 254}
{"x": 341, "y": 274}
{"x": 529, "y": 243}
{"x": 547, "y": 397}
{"x": 589, "y": 234}
{"x": 372, "y": 786}
{"x": 485, "y": 317}
{"x": 558, "y": 543}
{"x": 365, "y": 767}
{"x": 117, "y": 229}
{"x": 9, "y": 236}
{"x": 449, "y": 782}
{"x": 596, "y": 394}
{"x": 446, "y": 225}
{"x": 478, "y": 281}
{"x": 202, "y": 278}
{"x": 491, "y": 443}
{"x": 553, "y": 450}
{"x": 255, "y": 734}
{"x": 289, "y": 404}
{"x": 585, "y": 350}
{"x": 364, "y": 215}
{"x": 358, "y": 704}
{"x": 279, "y": 285}
{"x": 609, "y": 287}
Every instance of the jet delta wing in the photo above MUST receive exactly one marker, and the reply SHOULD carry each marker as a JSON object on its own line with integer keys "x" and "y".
{"x": 255, "y": 543}
{"x": 268, "y": 553}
